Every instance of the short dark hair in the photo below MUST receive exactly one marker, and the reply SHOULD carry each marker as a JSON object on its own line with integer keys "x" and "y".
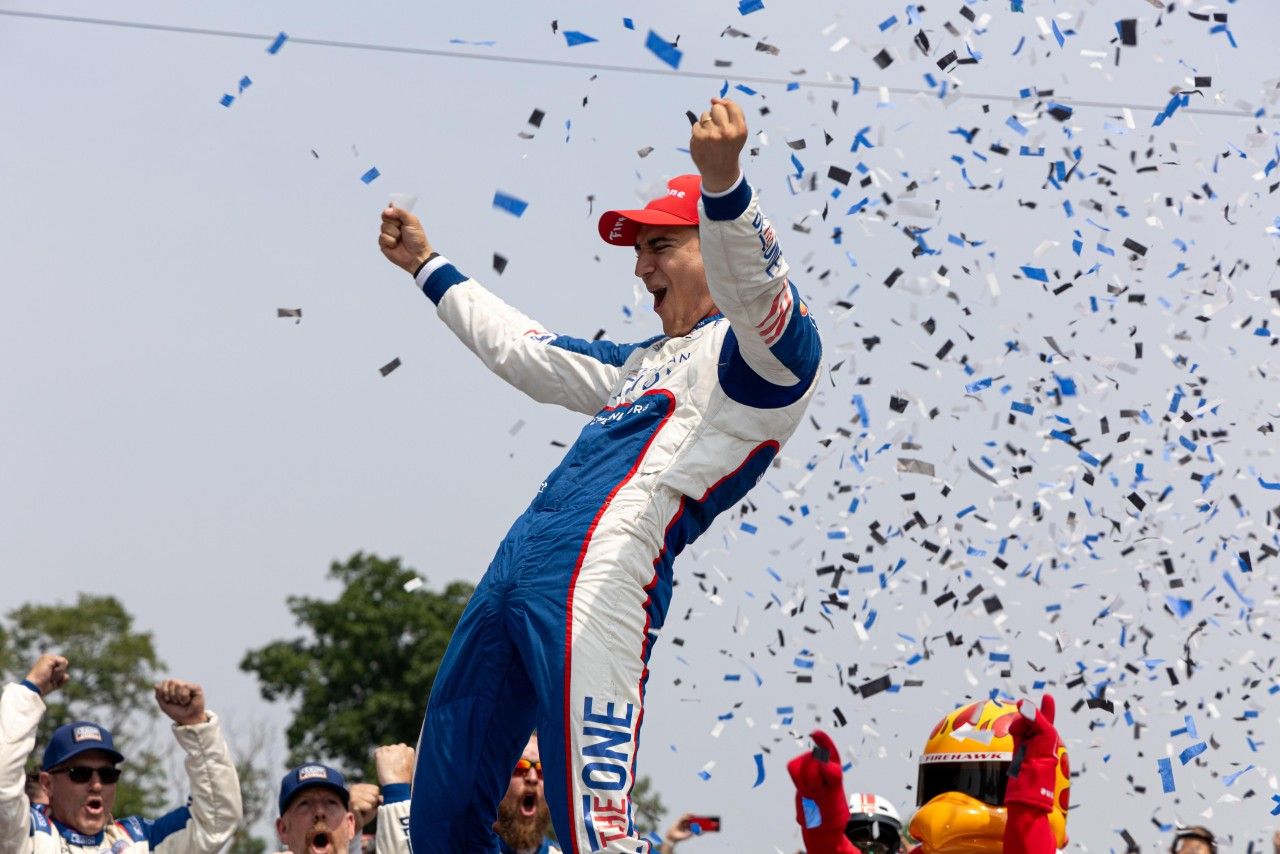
{"x": 1197, "y": 832}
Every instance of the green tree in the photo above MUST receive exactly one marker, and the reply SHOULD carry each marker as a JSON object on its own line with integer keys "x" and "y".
{"x": 646, "y": 806}
{"x": 113, "y": 669}
{"x": 256, "y": 789}
{"x": 362, "y": 673}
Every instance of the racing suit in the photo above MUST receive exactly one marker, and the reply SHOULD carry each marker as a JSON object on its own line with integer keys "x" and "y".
{"x": 547, "y": 847}
{"x": 559, "y": 630}
{"x": 203, "y": 826}
{"x": 393, "y": 821}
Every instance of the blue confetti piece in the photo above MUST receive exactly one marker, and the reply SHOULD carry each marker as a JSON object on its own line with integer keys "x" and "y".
{"x": 1057, "y": 34}
{"x": 1276, "y": 798}
{"x": 663, "y": 49}
{"x": 1236, "y": 590}
{"x": 1036, "y": 274}
{"x": 275, "y": 46}
{"x": 748, "y": 528}
{"x": 888, "y": 22}
{"x": 1192, "y": 752}
{"x": 870, "y": 620}
{"x": 733, "y": 677}
{"x": 1015, "y": 6}
{"x": 369, "y": 176}
{"x": 865, "y": 420}
{"x": 574, "y": 38}
{"x": 746, "y": 7}
{"x": 1166, "y": 775}
{"x": 245, "y": 83}
{"x": 966, "y": 511}
{"x": 795, "y": 161}
{"x": 705, "y": 775}
{"x": 1021, "y": 41}
{"x": 1235, "y": 775}
{"x": 1180, "y": 607}
{"x": 793, "y": 86}
{"x": 999, "y": 656}
{"x": 227, "y": 100}
{"x": 812, "y": 815}
{"x": 510, "y": 204}
{"x": 628, "y": 23}
{"x": 746, "y": 90}
{"x": 724, "y": 90}
{"x": 1267, "y": 484}
{"x": 1017, "y": 126}
{"x": 981, "y": 384}
{"x": 1190, "y": 726}
{"x": 759, "y": 770}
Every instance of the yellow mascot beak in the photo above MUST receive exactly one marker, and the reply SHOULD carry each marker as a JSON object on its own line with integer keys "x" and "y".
{"x": 953, "y": 823}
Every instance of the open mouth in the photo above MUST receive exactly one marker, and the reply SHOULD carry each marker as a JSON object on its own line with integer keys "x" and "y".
{"x": 319, "y": 843}
{"x": 529, "y": 806}
{"x": 93, "y": 806}
{"x": 659, "y": 296}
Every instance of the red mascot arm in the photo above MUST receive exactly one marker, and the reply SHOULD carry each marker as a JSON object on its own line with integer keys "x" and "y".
{"x": 1029, "y": 796}
{"x": 819, "y": 778}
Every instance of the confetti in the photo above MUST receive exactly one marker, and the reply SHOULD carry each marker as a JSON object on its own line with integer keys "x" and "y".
{"x": 389, "y": 366}
{"x": 759, "y": 758}
{"x": 413, "y": 584}
{"x": 574, "y": 38}
{"x": 512, "y": 205}
{"x": 369, "y": 176}
{"x": 663, "y": 49}
{"x": 746, "y": 7}
{"x": 277, "y": 43}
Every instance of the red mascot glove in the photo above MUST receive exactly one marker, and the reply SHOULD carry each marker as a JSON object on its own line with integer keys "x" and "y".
{"x": 820, "y": 781}
{"x": 1030, "y": 793}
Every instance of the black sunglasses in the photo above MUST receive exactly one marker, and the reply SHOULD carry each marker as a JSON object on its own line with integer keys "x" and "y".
{"x": 84, "y": 773}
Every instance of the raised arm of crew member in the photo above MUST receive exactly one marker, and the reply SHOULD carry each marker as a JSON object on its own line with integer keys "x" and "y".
{"x": 21, "y": 707}
{"x": 772, "y": 331}
{"x": 214, "y": 810}
{"x": 571, "y": 372}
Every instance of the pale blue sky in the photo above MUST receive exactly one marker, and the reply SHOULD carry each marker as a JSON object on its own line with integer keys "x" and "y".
{"x": 168, "y": 439}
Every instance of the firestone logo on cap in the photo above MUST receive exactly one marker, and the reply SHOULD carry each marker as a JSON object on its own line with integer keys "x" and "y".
{"x": 312, "y": 772}
{"x": 86, "y": 733}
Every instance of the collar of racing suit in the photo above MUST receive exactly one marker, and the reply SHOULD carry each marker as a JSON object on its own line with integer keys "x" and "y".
{"x": 75, "y": 837}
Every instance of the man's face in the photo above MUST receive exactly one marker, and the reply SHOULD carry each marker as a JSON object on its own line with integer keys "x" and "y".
{"x": 316, "y": 822}
{"x": 83, "y": 807}
{"x": 523, "y": 815}
{"x": 669, "y": 262}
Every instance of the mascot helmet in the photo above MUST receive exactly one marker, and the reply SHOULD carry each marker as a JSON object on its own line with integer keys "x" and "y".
{"x": 960, "y": 789}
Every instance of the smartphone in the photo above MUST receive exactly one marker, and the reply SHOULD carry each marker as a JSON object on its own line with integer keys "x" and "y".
{"x": 705, "y": 824}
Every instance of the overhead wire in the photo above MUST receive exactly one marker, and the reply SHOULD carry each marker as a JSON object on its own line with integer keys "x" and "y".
{"x": 582, "y": 66}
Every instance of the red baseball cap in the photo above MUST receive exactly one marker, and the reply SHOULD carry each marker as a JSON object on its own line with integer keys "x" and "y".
{"x": 678, "y": 207}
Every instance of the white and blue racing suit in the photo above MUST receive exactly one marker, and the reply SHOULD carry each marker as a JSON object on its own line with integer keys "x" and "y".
{"x": 201, "y": 827}
{"x": 558, "y": 633}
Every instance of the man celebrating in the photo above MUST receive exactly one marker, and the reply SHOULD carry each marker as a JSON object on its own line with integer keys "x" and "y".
{"x": 523, "y": 816}
{"x": 681, "y": 427}
{"x": 319, "y": 813}
{"x": 79, "y": 773}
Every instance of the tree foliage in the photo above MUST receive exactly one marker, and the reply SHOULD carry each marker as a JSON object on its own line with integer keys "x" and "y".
{"x": 361, "y": 674}
{"x": 646, "y": 806}
{"x": 112, "y": 668}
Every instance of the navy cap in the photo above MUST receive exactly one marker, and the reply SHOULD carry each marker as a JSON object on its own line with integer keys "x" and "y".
{"x": 75, "y": 738}
{"x": 312, "y": 774}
